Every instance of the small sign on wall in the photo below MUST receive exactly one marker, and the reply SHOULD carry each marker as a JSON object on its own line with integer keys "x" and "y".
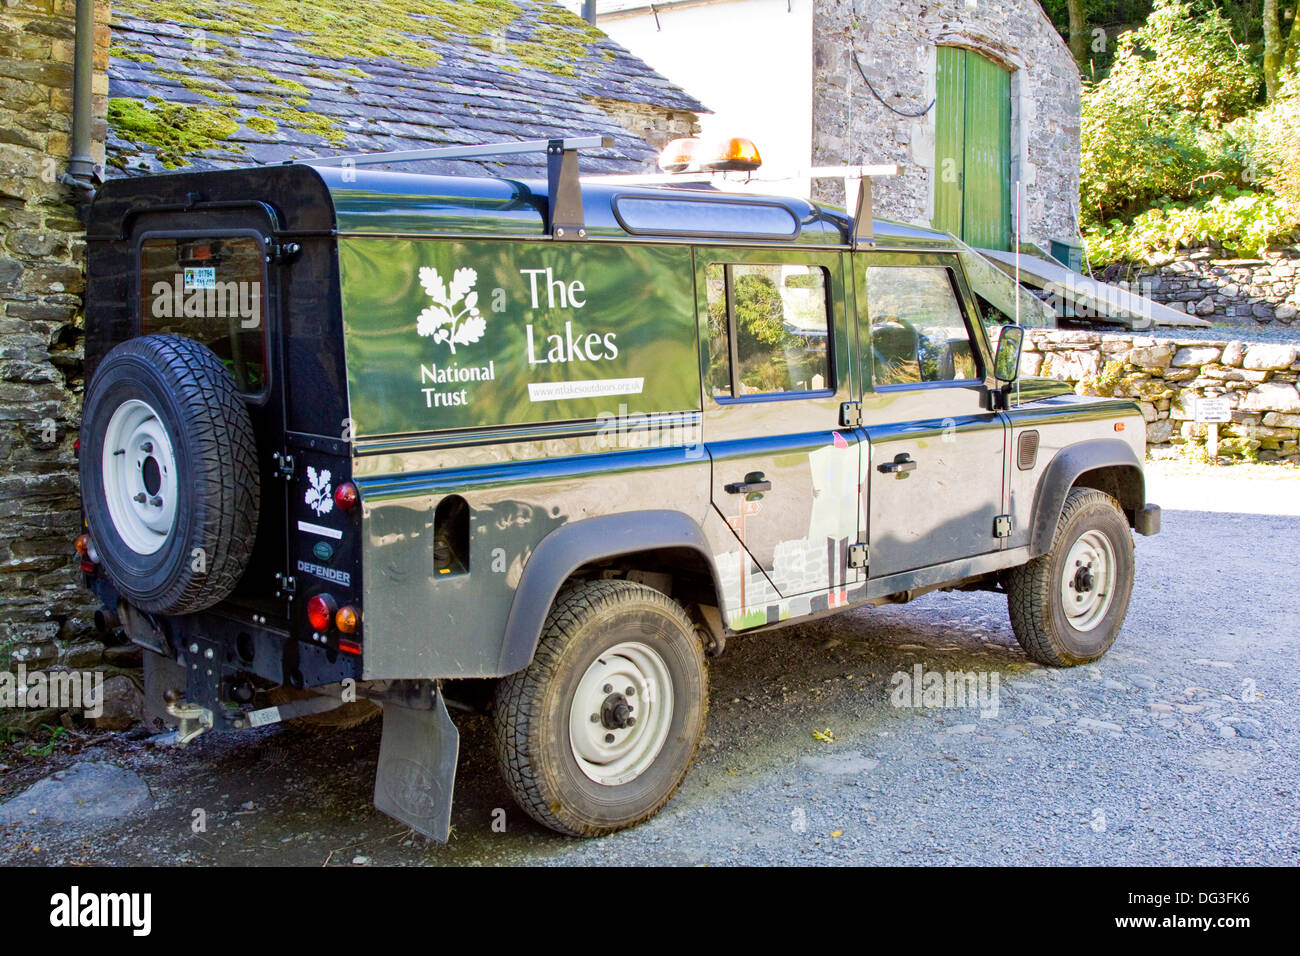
{"x": 1213, "y": 410}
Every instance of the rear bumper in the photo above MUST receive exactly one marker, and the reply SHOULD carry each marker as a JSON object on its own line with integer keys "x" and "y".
{"x": 1147, "y": 521}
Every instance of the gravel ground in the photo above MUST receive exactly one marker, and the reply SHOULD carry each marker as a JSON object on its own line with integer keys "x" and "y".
{"x": 1178, "y": 747}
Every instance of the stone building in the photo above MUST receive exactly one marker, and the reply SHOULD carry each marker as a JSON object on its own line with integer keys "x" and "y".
{"x": 968, "y": 96}
{"x": 235, "y": 84}
{"x": 43, "y": 613}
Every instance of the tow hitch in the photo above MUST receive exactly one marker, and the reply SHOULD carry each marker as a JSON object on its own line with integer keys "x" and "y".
{"x": 191, "y": 719}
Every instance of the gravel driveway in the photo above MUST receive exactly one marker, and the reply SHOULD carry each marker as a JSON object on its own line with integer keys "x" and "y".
{"x": 1179, "y": 747}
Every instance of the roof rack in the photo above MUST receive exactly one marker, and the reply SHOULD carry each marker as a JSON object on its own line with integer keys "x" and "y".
{"x": 564, "y": 219}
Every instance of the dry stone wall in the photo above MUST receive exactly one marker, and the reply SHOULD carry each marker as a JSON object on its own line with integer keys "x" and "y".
{"x": 1166, "y": 377}
{"x": 1249, "y": 292}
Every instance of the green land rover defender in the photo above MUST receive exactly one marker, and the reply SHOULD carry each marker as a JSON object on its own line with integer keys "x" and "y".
{"x": 358, "y": 441}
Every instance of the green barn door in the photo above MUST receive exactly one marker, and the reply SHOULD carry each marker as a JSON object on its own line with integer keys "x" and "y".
{"x": 972, "y": 195}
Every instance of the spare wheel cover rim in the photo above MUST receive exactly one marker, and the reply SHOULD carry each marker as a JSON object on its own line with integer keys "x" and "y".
{"x": 138, "y": 459}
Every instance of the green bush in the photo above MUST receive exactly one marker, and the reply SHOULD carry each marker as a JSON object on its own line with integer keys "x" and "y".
{"x": 1154, "y": 127}
{"x": 1270, "y": 139}
{"x": 1243, "y": 223}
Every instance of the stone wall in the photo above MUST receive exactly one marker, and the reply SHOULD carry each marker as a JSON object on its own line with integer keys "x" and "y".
{"x": 1165, "y": 377}
{"x": 43, "y": 612}
{"x": 896, "y": 42}
{"x": 1224, "y": 290}
{"x": 656, "y": 125}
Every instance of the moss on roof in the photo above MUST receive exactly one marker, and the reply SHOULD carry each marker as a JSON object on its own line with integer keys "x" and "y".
{"x": 405, "y": 31}
{"x": 175, "y": 130}
{"x": 270, "y": 80}
{"x": 400, "y": 30}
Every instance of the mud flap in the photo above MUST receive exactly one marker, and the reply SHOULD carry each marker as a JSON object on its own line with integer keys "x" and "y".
{"x": 417, "y": 767}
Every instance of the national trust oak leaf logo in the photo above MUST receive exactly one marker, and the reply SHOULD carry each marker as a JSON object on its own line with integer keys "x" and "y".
{"x": 454, "y": 316}
{"x": 319, "y": 495}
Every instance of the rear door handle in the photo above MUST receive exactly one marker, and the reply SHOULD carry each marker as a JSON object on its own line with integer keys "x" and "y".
{"x": 900, "y": 464}
{"x": 755, "y": 481}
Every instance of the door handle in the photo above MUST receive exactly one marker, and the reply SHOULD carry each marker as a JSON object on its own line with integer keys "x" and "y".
{"x": 900, "y": 464}
{"x": 754, "y": 481}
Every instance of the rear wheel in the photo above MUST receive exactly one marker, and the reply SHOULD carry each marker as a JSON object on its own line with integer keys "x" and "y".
{"x": 1067, "y": 606}
{"x": 597, "y": 733}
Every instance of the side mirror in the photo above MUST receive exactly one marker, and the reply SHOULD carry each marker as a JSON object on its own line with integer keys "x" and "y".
{"x": 1006, "y": 363}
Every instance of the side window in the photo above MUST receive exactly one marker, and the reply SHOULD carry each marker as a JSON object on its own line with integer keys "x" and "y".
{"x": 918, "y": 333}
{"x": 769, "y": 329}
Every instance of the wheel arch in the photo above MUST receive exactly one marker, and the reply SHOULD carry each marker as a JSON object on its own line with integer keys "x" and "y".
{"x": 1107, "y": 464}
{"x": 659, "y": 537}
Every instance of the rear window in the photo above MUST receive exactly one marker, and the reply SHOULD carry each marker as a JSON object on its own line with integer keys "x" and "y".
{"x": 211, "y": 290}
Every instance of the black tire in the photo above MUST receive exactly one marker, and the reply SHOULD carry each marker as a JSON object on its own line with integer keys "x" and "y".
{"x": 203, "y": 415}
{"x": 1038, "y": 613}
{"x": 532, "y": 708}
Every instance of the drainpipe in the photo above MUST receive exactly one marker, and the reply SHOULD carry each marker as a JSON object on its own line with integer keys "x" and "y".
{"x": 83, "y": 174}
{"x": 589, "y": 11}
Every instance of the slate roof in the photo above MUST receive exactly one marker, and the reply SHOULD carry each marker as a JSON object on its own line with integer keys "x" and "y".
{"x": 326, "y": 104}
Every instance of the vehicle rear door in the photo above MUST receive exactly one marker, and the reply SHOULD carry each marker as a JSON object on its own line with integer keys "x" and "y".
{"x": 774, "y": 346}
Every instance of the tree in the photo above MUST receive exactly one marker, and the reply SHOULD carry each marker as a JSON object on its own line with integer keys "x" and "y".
{"x": 1273, "y": 49}
{"x": 1079, "y": 32}
{"x": 1291, "y": 58}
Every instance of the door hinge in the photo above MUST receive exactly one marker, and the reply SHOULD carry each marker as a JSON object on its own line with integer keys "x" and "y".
{"x": 277, "y": 251}
{"x": 858, "y": 555}
{"x": 287, "y": 586}
{"x": 850, "y": 414}
{"x": 283, "y": 464}
{"x": 1002, "y": 526}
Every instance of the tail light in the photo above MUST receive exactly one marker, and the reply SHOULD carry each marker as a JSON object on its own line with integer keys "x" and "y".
{"x": 346, "y": 620}
{"x": 320, "y": 612}
{"x": 86, "y": 550}
{"x": 345, "y": 496}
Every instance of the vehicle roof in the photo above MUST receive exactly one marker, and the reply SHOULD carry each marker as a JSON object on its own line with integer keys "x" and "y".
{"x": 376, "y": 202}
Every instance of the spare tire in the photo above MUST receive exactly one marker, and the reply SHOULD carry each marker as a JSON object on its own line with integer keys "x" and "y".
{"x": 169, "y": 478}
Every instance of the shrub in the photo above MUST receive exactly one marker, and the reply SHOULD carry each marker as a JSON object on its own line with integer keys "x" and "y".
{"x": 1153, "y": 128}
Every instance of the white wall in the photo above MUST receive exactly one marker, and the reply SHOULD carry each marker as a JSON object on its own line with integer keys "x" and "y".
{"x": 748, "y": 61}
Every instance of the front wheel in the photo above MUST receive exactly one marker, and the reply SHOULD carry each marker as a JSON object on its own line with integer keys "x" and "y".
{"x": 598, "y": 731}
{"x": 1068, "y": 605}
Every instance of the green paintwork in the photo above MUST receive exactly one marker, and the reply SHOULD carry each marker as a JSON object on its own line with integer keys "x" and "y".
{"x": 949, "y": 137}
{"x": 972, "y": 197}
{"x": 637, "y": 318}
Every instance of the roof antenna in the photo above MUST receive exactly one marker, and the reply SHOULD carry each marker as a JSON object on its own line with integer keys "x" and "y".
{"x": 1018, "y": 286}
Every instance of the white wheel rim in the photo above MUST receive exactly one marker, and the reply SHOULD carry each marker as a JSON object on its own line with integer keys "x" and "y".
{"x": 1088, "y": 580}
{"x": 607, "y": 753}
{"x": 140, "y": 479}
